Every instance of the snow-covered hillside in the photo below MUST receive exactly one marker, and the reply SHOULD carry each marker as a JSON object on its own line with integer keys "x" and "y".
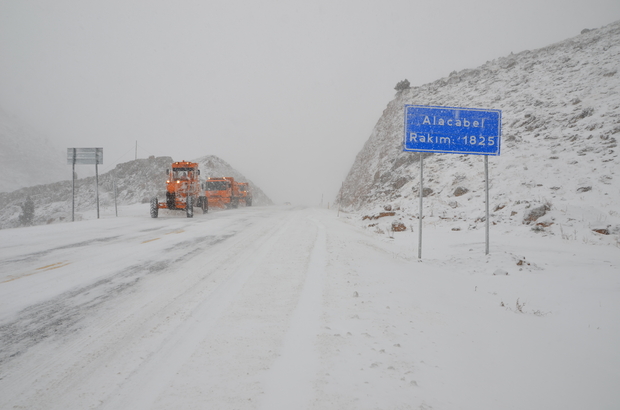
{"x": 561, "y": 122}
{"x": 136, "y": 182}
{"x": 27, "y": 159}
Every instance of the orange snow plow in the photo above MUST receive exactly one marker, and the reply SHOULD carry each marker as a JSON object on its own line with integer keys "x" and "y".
{"x": 245, "y": 195}
{"x": 182, "y": 190}
{"x": 222, "y": 192}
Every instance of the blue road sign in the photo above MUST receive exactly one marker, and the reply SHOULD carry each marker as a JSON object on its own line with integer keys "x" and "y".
{"x": 452, "y": 130}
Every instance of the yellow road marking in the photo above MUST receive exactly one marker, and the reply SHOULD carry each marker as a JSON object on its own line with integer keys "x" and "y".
{"x": 37, "y": 270}
{"x": 151, "y": 240}
{"x": 58, "y": 266}
{"x": 50, "y": 266}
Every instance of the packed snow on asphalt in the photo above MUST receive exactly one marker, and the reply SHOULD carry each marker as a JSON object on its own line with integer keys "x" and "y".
{"x": 301, "y": 308}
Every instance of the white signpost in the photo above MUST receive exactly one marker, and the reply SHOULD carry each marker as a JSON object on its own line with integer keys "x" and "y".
{"x": 86, "y": 156}
{"x": 452, "y": 130}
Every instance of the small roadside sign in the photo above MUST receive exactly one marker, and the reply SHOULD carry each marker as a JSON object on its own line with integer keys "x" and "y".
{"x": 452, "y": 130}
{"x": 82, "y": 156}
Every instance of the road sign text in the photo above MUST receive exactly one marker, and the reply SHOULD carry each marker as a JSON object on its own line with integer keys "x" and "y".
{"x": 452, "y": 130}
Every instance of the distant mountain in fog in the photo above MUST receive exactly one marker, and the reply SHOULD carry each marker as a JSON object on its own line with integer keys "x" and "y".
{"x": 27, "y": 159}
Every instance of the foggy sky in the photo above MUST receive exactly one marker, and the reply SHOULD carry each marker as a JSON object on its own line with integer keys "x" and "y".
{"x": 287, "y": 92}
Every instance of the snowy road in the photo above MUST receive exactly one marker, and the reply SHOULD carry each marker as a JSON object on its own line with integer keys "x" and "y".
{"x": 293, "y": 308}
{"x": 141, "y": 305}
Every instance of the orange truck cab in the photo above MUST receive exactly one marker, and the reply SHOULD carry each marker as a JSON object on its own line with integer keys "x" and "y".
{"x": 222, "y": 192}
{"x": 245, "y": 193}
{"x": 182, "y": 190}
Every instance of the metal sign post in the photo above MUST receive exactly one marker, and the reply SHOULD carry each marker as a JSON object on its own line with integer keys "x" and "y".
{"x": 115, "y": 194}
{"x": 452, "y": 130}
{"x": 85, "y": 156}
{"x": 97, "y": 187}
{"x": 340, "y": 200}
{"x": 73, "y": 185}
{"x": 421, "y": 206}
{"x": 486, "y": 188}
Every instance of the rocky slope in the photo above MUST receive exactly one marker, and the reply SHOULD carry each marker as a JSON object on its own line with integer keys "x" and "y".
{"x": 136, "y": 182}
{"x": 561, "y": 121}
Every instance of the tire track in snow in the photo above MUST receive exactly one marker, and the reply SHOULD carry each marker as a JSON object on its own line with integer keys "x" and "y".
{"x": 141, "y": 389}
{"x": 83, "y": 348}
{"x": 62, "y": 315}
{"x": 290, "y": 383}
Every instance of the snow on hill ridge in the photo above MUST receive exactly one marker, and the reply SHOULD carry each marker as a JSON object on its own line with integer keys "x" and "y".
{"x": 136, "y": 182}
{"x": 561, "y": 120}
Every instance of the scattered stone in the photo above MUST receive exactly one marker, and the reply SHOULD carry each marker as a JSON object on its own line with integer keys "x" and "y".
{"x": 535, "y": 213}
{"x": 602, "y": 231}
{"x": 426, "y": 192}
{"x": 460, "y": 191}
{"x": 381, "y": 215}
{"x": 398, "y": 226}
{"x": 586, "y": 112}
{"x": 400, "y": 182}
{"x": 584, "y": 189}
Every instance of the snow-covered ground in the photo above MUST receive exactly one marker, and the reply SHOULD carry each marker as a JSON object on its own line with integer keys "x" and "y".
{"x": 299, "y": 308}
